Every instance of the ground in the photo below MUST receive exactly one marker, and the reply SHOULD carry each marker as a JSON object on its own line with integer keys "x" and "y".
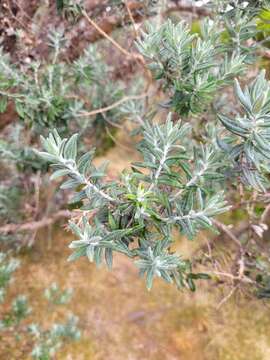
{"x": 121, "y": 320}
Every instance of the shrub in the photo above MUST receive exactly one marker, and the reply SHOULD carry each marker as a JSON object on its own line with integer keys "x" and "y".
{"x": 214, "y": 160}
{"x": 183, "y": 177}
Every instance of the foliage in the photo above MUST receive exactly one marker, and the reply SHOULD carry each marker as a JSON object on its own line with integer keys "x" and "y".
{"x": 215, "y": 160}
{"x": 45, "y": 342}
{"x": 55, "y": 93}
{"x": 56, "y": 296}
{"x": 139, "y": 210}
{"x": 249, "y": 149}
{"x": 7, "y": 268}
{"x": 48, "y": 342}
{"x": 179, "y": 182}
{"x": 47, "y": 94}
{"x": 192, "y": 68}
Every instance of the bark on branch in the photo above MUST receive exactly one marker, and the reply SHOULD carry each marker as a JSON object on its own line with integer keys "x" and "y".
{"x": 34, "y": 225}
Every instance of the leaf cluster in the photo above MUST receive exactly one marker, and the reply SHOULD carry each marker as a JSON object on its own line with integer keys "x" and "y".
{"x": 136, "y": 216}
{"x": 192, "y": 67}
{"x": 248, "y": 144}
{"x": 54, "y": 92}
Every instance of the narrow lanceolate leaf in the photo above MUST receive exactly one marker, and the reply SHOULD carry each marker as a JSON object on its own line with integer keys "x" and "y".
{"x": 77, "y": 254}
{"x": 47, "y": 157}
{"x": 59, "y": 173}
{"x": 233, "y": 126}
{"x": 244, "y": 99}
{"x": 75, "y": 228}
{"x": 70, "y": 150}
{"x": 262, "y": 143}
{"x": 109, "y": 258}
{"x": 70, "y": 184}
{"x": 85, "y": 161}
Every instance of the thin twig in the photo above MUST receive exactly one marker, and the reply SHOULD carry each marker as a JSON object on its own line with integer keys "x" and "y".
{"x": 114, "y": 105}
{"x": 227, "y": 297}
{"x": 243, "y": 279}
{"x": 230, "y": 234}
{"x": 227, "y": 231}
{"x": 113, "y": 124}
{"x": 199, "y": 11}
{"x": 115, "y": 43}
{"x": 131, "y": 19}
{"x": 126, "y": 148}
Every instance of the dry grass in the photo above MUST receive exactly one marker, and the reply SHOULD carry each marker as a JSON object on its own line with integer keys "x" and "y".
{"x": 121, "y": 320}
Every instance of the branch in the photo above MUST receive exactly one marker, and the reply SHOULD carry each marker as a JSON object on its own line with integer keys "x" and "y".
{"x": 199, "y": 11}
{"x": 166, "y": 150}
{"x": 227, "y": 231}
{"x": 109, "y": 23}
{"x": 75, "y": 171}
{"x": 118, "y": 46}
{"x": 34, "y": 225}
{"x": 227, "y": 297}
{"x": 131, "y": 18}
{"x": 114, "y": 105}
{"x": 241, "y": 260}
{"x": 243, "y": 279}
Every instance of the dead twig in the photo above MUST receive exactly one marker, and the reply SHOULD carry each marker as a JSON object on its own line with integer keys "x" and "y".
{"x": 234, "y": 278}
{"x": 227, "y": 231}
{"x": 131, "y": 19}
{"x": 112, "y": 41}
{"x": 114, "y": 105}
{"x": 227, "y": 297}
{"x": 195, "y": 10}
{"x": 230, "y": 234}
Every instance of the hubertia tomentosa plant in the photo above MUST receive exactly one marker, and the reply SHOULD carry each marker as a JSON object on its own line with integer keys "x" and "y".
{"x": 177, "y": 185}
{"x": 136, "y": 215}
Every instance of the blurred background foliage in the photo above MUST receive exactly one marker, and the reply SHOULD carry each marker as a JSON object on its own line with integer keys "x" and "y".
{"x": 57, "y": 70}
